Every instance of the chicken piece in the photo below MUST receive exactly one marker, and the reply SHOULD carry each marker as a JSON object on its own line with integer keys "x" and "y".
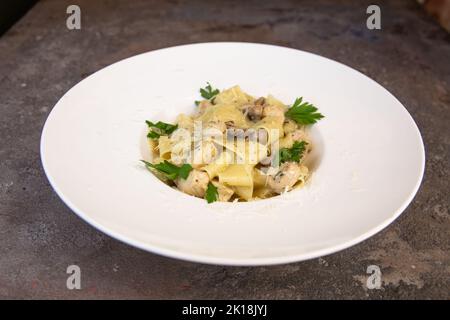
{"x": 274, "y": 111}
{"x": 298, "y": 135}
{"x": 289, "y": 126}
{"x": 204, "y": 152}
{"x": 195, "y": 184}
{"x": 285, "y": 178}
{"x": 202, "y": 106}
{"x": 223, "y": 191}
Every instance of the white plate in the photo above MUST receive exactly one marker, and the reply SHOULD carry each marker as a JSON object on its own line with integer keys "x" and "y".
{"x": 369, "y": 156}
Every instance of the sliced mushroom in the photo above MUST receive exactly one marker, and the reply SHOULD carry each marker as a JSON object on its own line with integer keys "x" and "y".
{"x": 230, "y": 124}
{"x": 254, "y": 111}
{"x": 260, "y": 101}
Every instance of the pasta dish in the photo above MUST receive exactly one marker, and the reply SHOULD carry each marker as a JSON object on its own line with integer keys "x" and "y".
{"x": 234, "y": 147}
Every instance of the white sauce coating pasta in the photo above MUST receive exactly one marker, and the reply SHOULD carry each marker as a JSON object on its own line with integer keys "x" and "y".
{"x": 243, "y": 147}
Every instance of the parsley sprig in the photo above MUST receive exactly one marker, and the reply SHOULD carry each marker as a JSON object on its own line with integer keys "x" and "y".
{"x": 293, "y": 154}
{"x": 160, "y": 129}
{"x": 303, "y": 113}
{"x": 170, "y": 170}
{"x": 208, "y": 92}
{"x": 211, "y": 194}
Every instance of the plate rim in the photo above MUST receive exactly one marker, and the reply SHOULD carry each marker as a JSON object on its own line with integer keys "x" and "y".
{"x": 251, "y": 261}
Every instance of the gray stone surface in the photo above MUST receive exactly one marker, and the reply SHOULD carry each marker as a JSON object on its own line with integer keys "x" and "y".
{"x": 40, "y": 60}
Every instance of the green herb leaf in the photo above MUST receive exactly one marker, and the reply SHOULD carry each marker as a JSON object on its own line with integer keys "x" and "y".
{"x": 170, "y": 170}
{"x": 153, "y": 135}
{"x": 208, "y": 92}
{"x": 293, "y": 154}
{"x": 303, "y": 113}
{"x": 184, "y": 171}
{"x": 211, "y": 194}
{"x": 160, "y": 129}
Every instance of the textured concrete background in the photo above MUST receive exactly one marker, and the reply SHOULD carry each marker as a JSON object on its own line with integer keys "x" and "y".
{"x": 40, "y": 60}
